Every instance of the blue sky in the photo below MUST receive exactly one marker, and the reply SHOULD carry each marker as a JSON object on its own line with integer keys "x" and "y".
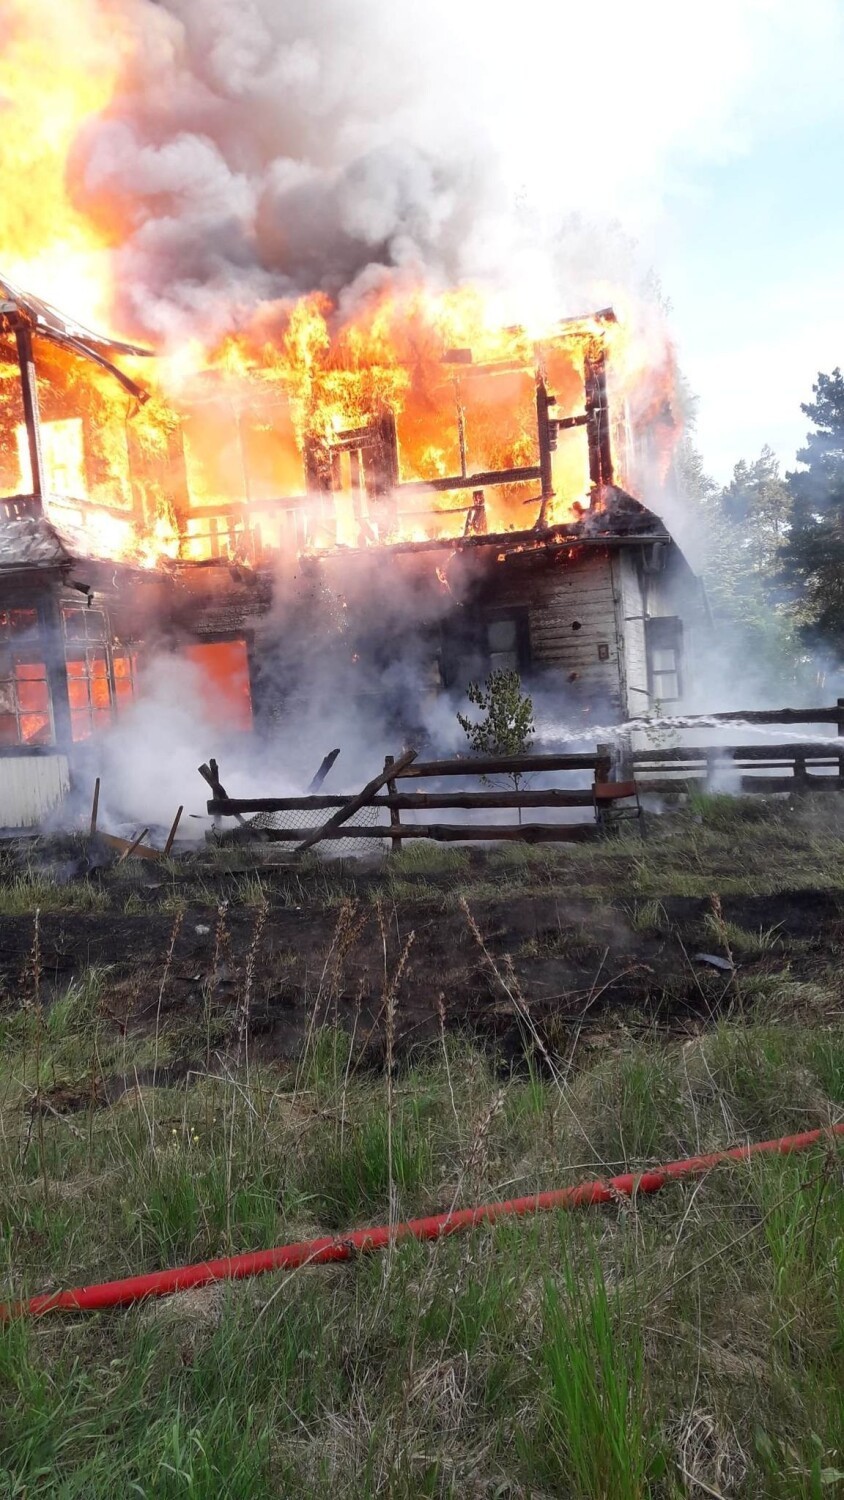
{"x": 714, "y": 135}
{"x": 752, "y": 261}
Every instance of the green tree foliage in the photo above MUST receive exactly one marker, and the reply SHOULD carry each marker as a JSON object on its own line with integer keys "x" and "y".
{"x": 758, "y": 501}
{"x": 507, "y": 725}
{"x": 814, "y": 554}
{"x": 745, "y": 532}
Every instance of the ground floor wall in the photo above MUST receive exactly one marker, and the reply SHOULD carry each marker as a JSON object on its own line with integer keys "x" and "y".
{"x": 573, "y": 642}
{"x": 31, "y": 787}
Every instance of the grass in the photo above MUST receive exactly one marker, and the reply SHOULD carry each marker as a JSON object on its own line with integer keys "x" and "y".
{"x": 603, "y": 1441}
{"x": 649, "y": 918}
{"x": 740, "y": 940}
{"x": 22, "y": 893}
{"x": 688, "y": 1344}
{"x": 584, "y": 1354}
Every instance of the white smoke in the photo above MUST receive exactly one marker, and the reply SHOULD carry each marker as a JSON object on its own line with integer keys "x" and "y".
{"x": 260, "y": 148}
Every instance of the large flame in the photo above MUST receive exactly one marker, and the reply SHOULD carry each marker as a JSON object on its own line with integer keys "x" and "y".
{"x": 301, "y": 430}
{"x": 60, "y": 66}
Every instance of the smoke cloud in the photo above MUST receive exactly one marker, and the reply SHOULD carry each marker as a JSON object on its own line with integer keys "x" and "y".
{"x": 259, "y": 149}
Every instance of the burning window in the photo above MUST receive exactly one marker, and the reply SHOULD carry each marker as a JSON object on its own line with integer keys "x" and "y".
{"x": 63, "y": 451}
{"x": 100, "y": 672}
{"x": 88, "y": 680}
{"x": 124, "y": 665}
{"x": 224, "y": 683}
{"x": 25, "y": 709}
{"x": 665, "y": 653}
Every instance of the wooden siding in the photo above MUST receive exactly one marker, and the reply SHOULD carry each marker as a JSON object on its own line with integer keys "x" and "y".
{"x": 559, "y": 595}
{"x": 578, "y": 592}
{"x": 30, "y": 787}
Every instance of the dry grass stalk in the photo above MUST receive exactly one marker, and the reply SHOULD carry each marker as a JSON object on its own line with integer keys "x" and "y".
{"x": 165, "y": 975}
{"x": 244, "y": 1009}
{"x": 440, "y": 1009}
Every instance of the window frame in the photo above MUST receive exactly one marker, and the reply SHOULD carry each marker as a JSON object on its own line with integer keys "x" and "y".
{"x": 471, "y": 641}
{"x": 30, "y": 655}
{"x": 664, "y": 633}
{"x": 88, "y": 649}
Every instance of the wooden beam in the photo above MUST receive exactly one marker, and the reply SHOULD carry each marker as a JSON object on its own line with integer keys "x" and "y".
{"x": 767, "y": 751}
{"x": 473, "y": 481}
{"x": 51, "y": 633}
{"x": 766, "y": 716}
{"x": 789, "y": 784}
{"x": 95, "y": 806}
{"x": 458, "y": 833}
{"x": 604, "y": 763}
{"x": 407, "y": 801}
{"x": 31, "y": 414}
{"x": 746, "y": 784}
{"x": 500, "y": 765}
{"x": 327, "y": 830}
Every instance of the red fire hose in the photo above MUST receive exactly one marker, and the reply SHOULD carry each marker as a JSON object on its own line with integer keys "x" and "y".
{"x": 361, "y": 1241}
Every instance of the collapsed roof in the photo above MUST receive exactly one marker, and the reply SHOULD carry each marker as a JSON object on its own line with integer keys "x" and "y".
{"x": 21, "y": 309}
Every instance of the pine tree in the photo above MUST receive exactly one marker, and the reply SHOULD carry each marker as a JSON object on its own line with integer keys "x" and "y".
{"x": 758, "y": 500}
{"x": 814, "y": 555}
{"x": 744, "y": 529}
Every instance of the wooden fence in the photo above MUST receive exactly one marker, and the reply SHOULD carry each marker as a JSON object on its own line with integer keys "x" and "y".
{"x": 798, "y": 766}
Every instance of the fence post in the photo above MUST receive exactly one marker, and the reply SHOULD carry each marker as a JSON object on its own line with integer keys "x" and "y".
{"x": 603, "y": 764}
{"x": 395, "y": 820}
{"x": 622, "y": 758}
{"x": 840, "y": 732}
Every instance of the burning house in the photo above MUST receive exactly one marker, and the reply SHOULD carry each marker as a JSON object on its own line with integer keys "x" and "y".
{"x": 418, "y": 494}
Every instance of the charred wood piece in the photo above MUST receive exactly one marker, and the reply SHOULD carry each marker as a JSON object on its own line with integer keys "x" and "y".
{"x": 321, "y": 774}
{"x": 210, "y": 773}
{"x": 597, "y": 419}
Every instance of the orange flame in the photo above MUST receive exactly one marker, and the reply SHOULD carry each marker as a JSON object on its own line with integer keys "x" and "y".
{"x": 221, "y": 459}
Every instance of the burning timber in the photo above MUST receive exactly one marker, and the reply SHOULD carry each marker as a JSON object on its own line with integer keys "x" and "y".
{"x": 417, "y": 517}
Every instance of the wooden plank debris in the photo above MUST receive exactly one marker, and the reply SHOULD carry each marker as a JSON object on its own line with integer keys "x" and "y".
{"x": 125, "y": 847}
{"x": 324, "y": 769}
{"x": 134, "y": 845}
{"x": 211, "y": 774}
{"x": 171, "y": 837}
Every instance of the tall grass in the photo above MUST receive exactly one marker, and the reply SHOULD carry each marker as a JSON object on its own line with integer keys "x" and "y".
{"x": 686, "y": 1344}
{"x": 595, "y": 1361}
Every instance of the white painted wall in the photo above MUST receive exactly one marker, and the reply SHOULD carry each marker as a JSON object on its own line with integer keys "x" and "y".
{"x": 30, "y": 787}
{"x": 631, "y": 605}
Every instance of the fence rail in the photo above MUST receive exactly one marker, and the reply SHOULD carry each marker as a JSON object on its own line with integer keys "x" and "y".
{"x": 796, "y": 766}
